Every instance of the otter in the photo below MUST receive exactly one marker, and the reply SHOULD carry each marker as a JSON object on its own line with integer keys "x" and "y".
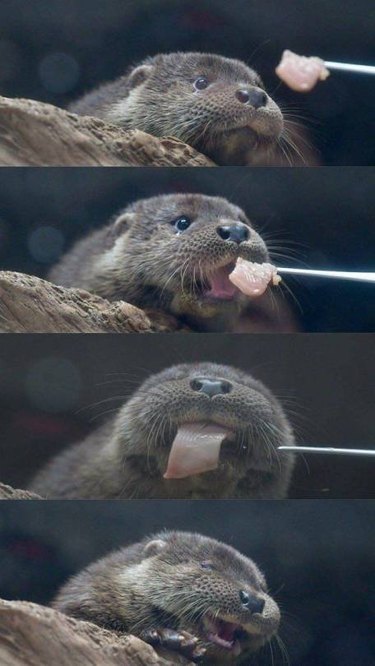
{"x": 217, "y": 105}
{"x": 174, "y": 253}
{"x": 181, "y": 590}
{"x": 140, "y": 451}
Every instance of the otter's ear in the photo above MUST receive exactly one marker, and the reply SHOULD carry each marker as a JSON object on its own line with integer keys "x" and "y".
{"x": 139, "y": 75}
{"x": 123, "y": 223}
{"x": 154, "y": 547}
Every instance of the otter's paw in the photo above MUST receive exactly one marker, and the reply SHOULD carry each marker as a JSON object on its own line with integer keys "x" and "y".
{"x": 178, "y": 641}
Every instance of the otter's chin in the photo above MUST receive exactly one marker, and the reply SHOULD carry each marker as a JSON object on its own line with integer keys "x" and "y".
{"x": 204, "y": 306}
{"x": 243, "y": 144}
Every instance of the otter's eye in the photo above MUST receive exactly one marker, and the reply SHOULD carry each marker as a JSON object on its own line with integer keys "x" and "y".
{"x": 201, "y": 83}
{"x": 182, "y": 223}
{"x": 206, "y": 564}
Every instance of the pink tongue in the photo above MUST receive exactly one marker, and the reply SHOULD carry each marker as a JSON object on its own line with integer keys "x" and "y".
{"x": 220, "y": 285}
{"x": 301, "y": 73}
{"x": 195, "y": 449}
{"x": 253, "y": 279}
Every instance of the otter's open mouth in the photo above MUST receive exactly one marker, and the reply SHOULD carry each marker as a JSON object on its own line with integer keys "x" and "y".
{"x": 225, "y": 635}
{"x": 240, "y": 276}
{"x": 218, "y": 285}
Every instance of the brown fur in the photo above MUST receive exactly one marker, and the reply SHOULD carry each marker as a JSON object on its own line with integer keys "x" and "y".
{"x": 159, "y": 97}
{"x": 127, "y": 456}
{"x": 173, "y": 580}
{"x": 141, "y": 258}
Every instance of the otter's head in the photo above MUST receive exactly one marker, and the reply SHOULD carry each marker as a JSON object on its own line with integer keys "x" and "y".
{"x": 217, "y": 105}
{"x": 207, "y": 430}
{"x": 212, "y": 591}
{"x": 176, "y": 252}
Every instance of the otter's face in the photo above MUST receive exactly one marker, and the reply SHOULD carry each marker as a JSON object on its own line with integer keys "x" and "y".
{"x": 251, "y": 418}
{"x": 182, "y": 248}
{"x": 215, "y": 592}
{"x": 218, "y": 105}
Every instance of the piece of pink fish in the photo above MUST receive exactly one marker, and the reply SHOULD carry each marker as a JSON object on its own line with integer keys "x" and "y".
{"x": 253, "y": 279}
{"x": 195, "y": 449}
{"x": 300, "y": 72}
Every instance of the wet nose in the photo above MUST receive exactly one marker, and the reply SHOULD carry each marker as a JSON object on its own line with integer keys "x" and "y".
{"x": 211, "y": 386}
{"x": 234, "y": 232}
{"x": 253, "y": 96}
{"x": 251, "y": 602}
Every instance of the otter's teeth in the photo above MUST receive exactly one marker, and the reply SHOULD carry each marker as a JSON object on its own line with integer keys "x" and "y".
{"x": 223, "y": 634}
{"x": 215, "y": 638}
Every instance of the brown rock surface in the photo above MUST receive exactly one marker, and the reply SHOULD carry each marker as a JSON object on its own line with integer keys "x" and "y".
{"x": 32, "y": 635}
{"x": 31, "y": 305}
{"x": 36, "y": 134}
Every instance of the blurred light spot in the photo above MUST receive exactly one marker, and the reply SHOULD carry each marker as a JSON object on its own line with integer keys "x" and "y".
{"x": 45, "y": 244}
{"x": 10, "y": 60}
{"x": 59, "y": 72}
{"x": 53, "y": 384}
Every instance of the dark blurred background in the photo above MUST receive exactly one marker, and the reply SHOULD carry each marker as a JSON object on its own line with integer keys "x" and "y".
{"x": 54, "y": 389}
{"x": 318, "y": 218}
{"x": 54, "y": 50}
{"x": 317, "y": 557}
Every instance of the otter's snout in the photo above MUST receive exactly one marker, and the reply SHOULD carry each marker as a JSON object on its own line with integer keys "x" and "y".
{"x": 252, "y": 96}
{"x": 211, "y": 386}
{"x": 237, "y": 232}
{"x": 251, "y": 602}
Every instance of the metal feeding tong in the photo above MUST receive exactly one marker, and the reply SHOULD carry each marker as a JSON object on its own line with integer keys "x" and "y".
{"x": 362, "y": 276}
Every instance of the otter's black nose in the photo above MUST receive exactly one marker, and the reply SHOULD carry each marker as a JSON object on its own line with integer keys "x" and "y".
{"x": 256, "y": 98}
{"x": 252, "y": 603}
{"x": 238, "y": 232}
{"x": 210, "y": 386}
